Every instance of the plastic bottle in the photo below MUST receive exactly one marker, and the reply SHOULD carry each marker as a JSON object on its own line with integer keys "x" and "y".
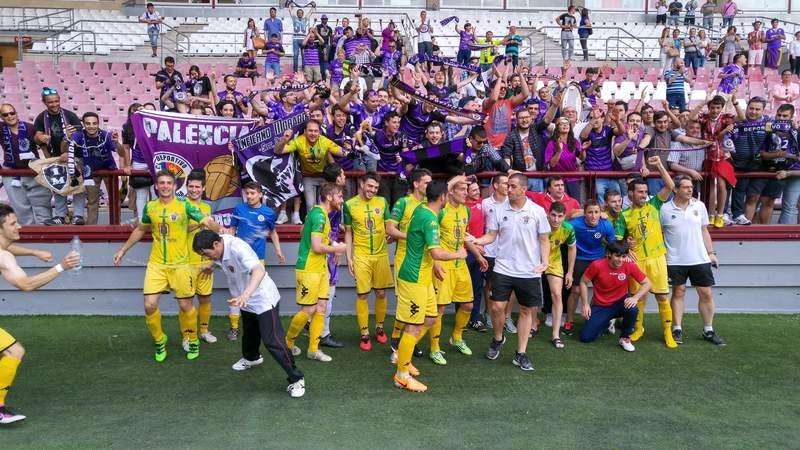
{"x": 76, "y": 247}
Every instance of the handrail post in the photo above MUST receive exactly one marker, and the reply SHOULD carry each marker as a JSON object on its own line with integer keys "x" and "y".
{"x": 114, "y": 210}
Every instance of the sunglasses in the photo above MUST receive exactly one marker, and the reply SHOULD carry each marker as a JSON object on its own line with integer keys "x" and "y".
{"x": 8, "y": 114}
{"x": 481, "y": 141}
{"x": 49, "y": 91}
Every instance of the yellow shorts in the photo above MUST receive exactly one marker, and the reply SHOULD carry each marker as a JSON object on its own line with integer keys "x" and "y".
{"x": 372, "y": 272}
{"x": 159, "y": 279}
{"x": 203, "y": 282}
{"x": 556, "y": 269}
{"x": 656, "y": 271}
{"x": 415, "y": 301}
{"x": 312, "y": 287}
{"x": 6, "y": 339}
{"x": 399, "y": 256}
{"x": 456, "y": 286}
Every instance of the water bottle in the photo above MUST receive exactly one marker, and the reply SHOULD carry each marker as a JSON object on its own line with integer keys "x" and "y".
{"x": 76, "y": 247}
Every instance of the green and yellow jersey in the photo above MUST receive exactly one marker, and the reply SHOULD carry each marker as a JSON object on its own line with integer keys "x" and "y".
{"x": 316, "y": 223}
{"x": 401, "y": 215}
{"x": 644, "y": 226}
{"x": 564, "y": 234}
{"x": 169, "y": 225}
{"x": 422, "y": 236}
{"x": 368, "y": 222}
{"x": 453, "y": 221}
{"x": 194, "y": 257}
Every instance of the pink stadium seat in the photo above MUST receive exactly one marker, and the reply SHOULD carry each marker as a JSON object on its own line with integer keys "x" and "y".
{"x": 152, "y": 68}
{"x": 755, "y": 75}
{"x": 636, "y": 73}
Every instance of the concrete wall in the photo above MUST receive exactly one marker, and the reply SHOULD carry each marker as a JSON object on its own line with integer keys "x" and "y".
{"x": 754, "y": 277}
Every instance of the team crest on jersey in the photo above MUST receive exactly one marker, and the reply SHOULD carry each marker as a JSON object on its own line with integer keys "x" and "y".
{"x": 557, "y": 242}
{"x": 621, "y": 276}
{"x": 377, "y": 210}
{"x": 696, "y": 213}
{"x": 174, "y": 217}
{"x": 260, "y": 218}
{"x": 597, "y": 235}
{"x": 370, "y": 223}
{"x": 526, "y": 219}
{"x": 457, "y": 232}
{"x": 231, "y": 269}
{"x": 176, "y": 164}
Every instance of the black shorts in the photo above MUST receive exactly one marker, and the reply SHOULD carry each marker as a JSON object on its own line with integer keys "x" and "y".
{"x": 488, "y": 275}
{"x": 527, "y": 290}
{"x": 700, "y": 275}
{"x": 577, "y": 273}
{"x": 765, "y": 187}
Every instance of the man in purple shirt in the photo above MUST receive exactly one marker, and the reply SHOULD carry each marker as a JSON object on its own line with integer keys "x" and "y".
{"x": 596, "y": 140}
{"x": 274, "y": 51}
{"x": 230, "y": 93}
{"x": 774, "y": 39}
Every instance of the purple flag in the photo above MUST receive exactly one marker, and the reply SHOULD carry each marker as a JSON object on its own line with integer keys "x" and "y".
{"x": 279, "y": 175}
{"x": 456, "y": 146}
{"x": 182, "y": 142}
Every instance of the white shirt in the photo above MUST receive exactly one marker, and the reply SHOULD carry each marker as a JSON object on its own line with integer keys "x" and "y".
{"x": 425, "y": 31}
{"x": 683, "y": 233}
{"x": 238, "y": 260}
{"x": 518, "y": 231}
{"x": 489, "y": 204}
{"x": 794, "y": 48}
{"x": 154, "y": 16}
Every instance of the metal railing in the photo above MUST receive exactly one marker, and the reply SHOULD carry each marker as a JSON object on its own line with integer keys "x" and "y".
{"x": 623, "y": 38}
{"x": 178, "y": 46}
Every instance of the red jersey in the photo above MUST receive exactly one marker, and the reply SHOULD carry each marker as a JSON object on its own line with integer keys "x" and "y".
{"x": 611, "y": 284}
{"x": 476, "y": 224}
{"x": 544, "y": 200}
{"x": 710, "y": 128}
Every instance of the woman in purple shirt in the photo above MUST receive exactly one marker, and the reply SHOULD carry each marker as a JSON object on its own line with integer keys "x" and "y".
{"x": 562, "y": 154}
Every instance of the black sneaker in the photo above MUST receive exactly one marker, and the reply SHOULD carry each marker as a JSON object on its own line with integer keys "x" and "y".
{"x": 55, "y": 221}
{"x": 394, "y": 344}
{"x": 494, "y": 348}
{"x": 714, "y": 338}
{"x": 418, "y": 352}
{"x": 521, "y": 360}
{"x": 677, "y": 334}
{"x": 78, "y": 220}
{"x": 6, "y": 416}
{"x": 330, "y": 341}
{"x": 478, "y": 326}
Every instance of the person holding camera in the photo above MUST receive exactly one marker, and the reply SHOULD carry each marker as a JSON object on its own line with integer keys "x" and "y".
{"x": 166, "y": 79}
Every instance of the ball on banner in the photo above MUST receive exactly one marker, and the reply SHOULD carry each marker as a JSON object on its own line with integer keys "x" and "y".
{"x": 222, "y": 178}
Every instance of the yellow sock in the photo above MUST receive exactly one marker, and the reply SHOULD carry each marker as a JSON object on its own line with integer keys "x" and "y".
{"x": 638, "y": 327}
{"x": 380, "y": 311}
{"x": 188, "y": 321}
{"x": 182, "y": 324}
{"x": 462, "y": 317}
{"x": 423, "y": 333}
{"x": 8, "y": 370}
{"x": 298, "y": 322}
{"x": 436, "y": 331}
{"x": 362, "y": 314}
{"x": 315, "y": 331}
{"x": 397, "y": 330}
{"x": 234, "y": 320}
{"x": 204, "y": 314}
{"x": 665, "y": 311}
{"x": 153, "y": 322}
{"x": 404, "y": 353}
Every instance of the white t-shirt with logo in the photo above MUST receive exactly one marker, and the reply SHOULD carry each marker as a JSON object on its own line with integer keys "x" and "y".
{"x": 518, "y": 251}
{"x": 425, "y": 30}
{"x": 238, "y": 259}
{"x": 683, "y": 233}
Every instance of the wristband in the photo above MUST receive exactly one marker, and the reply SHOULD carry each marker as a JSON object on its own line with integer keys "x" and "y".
{"x": 59, "y": 268}
{"x": 712, "y": 252}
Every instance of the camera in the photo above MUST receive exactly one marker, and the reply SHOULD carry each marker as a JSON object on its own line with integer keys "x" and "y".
{"x": 323, "y": 91}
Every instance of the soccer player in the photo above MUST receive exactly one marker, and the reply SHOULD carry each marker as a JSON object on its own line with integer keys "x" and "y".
{"x": 416, "y": 299}
{"x": 563, "y": 234}
{"x": 169, "y": 219}
{"x": 252, "y": 222}
{"x": 11, "y": 351}
{"x": 690, "y": 255}
{"x": 367, "y": 259}
{"x": 202, "y": 276}
{"x": 522, "y": 232}
{"x": 642, "y": 225}
{"x": 311, "y": 272}
{"x": 256, "y": 294}
{"x": 610, "y": 278}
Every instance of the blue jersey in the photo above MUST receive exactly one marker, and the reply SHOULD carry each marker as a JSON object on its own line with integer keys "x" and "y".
{"x": 591, "y": 241}
{"x": 252, "y": 226}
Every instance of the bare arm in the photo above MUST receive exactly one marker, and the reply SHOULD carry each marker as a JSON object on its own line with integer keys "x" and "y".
{"x": 440, "y": 254}
{"x": 276, "y": 244}
{"x": 393, "y": 231}
{"x": 136, "y": 235}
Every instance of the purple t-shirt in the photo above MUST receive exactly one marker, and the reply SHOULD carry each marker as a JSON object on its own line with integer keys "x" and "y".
{"x": 273, "y": 57}
{"x": 311, "y": 54}
{"x": 360, "y": 114}
{"x": 336, "y": 70}
{"x": 727, "y": 85}
{"x": 278, "y": 112}
{"x": 237, "y": 112}
{"x": 389, "y": 62}
{"x": 568, "y": 162}
{"x": 335, "y": 218}
{"x": 464, "y": 40}
{"x": 598, "y": 155}
{"x": 388, "y": 149}
{"x": 771, "y": 33}
{"x": 630, "y": 149}
{"x": 339, "y": 139}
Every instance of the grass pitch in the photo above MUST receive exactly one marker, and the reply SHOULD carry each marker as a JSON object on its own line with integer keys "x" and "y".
{"x": 91, "y": 382}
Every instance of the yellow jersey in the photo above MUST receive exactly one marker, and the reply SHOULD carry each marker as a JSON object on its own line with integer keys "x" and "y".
{"x": 313, "y": 158}
{"x": 169, "y": 225}
{"x": 368, "y": 222}
{"x": 194, "y": 257}
{"x": 401, "y": 215}
{"x": 564, "y": 234}
{"x": 644, "y": 226}
{"x": 317, "y": 222}
{"x": 453, "y": 221}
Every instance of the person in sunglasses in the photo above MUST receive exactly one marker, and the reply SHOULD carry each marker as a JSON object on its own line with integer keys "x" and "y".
{"x": 52, "y": 126}
{"x": 30, "y": 200}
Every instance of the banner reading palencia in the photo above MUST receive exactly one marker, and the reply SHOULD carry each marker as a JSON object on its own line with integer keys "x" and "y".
{"x": 279, "y": 175}
{"x": 181, "y": 142}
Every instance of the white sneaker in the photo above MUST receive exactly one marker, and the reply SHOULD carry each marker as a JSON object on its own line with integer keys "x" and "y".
{"x": 319, "y": 356}
{"x": 296, "y": 219}
{"x": 510, "y": 327}
{"x": 548, "y": 320}
{"x": 626, "y": 345}
{"x": 282, "y": 218}
{"x": 296, "y": 351}
{"x": 393, "y": 358}
{"x": 244, "y": 364}
{"x": 208, "y": 337}
{"x": 612, "y": 328}
{"x": 185, "y": 345}
{"x": 6, "y": 416}
{"x": 297, "y": 389}
{"x": 741, "y": 220}
{"x": 726, "y": 219}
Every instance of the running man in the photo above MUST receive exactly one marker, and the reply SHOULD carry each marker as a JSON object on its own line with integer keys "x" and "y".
{"x": 252, "y": 222}
{"x": 256, "y": 294}
{"x": 557, "y": 278}
{"x": 11, "y": 351}
{"x": 416, "y": 299}
{"x": 311, "y": 271}
{"x": 690, "y": 255}
{"x": 365, "y": 216}
{"x": 642, "y": 225}
{"x": 169, "y": 219}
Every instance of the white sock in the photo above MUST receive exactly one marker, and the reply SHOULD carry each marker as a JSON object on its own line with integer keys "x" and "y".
{"x": 327, "y": 329}
{"x": 707, "y": 328}
{"x": 676, "y": 327}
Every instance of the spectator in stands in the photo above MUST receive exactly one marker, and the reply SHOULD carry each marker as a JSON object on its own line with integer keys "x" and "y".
{"x": 476, "y": 228}
{"x": 791, "y": 175}
{"x": 484, "y": 157}
{"x": 325, "y": 36}
{"x": 153, "y": 20}
{"x": 338, "y": 34}
{"x": 52, "y": 126}
{"x": 774, "y": 38}
{"x": 676, "y": 79}
{"x": 773, "y": 155}
{"x": 300, "y": 29}
{"x": 567, "y": 23}
{"x": 661, "y": 12}
{"x": 336, "y": 71}
{"x": 691, "y": 50}
{"x": 755, "y": 41}
{"x": 584, "y": 31}
{"x": 703, "y": 47}
{"x": 563, "y": 153}
{"x": 398, "y": 40}
{"x": 425, "y": 37}
{"x": 226, "y": 109}
{"x": 556, "y": 193}
{"x": 175, "y": 98}
{"x": 731, "y": 47}
{"x": 691, "y": 7}
{"x": 708, "y": 9}
{"x": 392, "y": 60}
{"x": 442, "y": 84}
{"x": 794, "y": 54}
{"x": 688, "y": 158}
{"x": 132, "y": 158}
{"x": 786, "y": 91}
{"x": 89, "y": 150}
{"x": 239, "y": 100}
{"x": 388, "y": 143}
{"x": 30, "y": 200}
{"x": 199, "y": 87}
{"x": 628, "y": 147}
{"x": 674, "y": 9}
{"x": 732, "y": 75}
{"x": 488, "y": 52}
{"x": 512, "y": 41}
{"x": 749, "y": 138}
{"x": 466, "y": 39}
{"x": 500, "y": 109}
{"x": 668, "y": 50}
{"x": 312, "y": 48}
{"x": 251, "y": 33}
{"x": 365, "y": 33}
{"x": 167, "y": 77}
{"x": 274, "y": 51}
{"x": 246, "y": 67}
{"x": 363, "y": 56}
{"x": 597, "y": 138}
{"x": 729, "y": 11}
{"x": 273, "y": 25}
{"x": 387, "y": 35}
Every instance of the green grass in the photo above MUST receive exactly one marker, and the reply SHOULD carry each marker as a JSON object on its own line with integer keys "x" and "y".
{"x": 90, "y": 382}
